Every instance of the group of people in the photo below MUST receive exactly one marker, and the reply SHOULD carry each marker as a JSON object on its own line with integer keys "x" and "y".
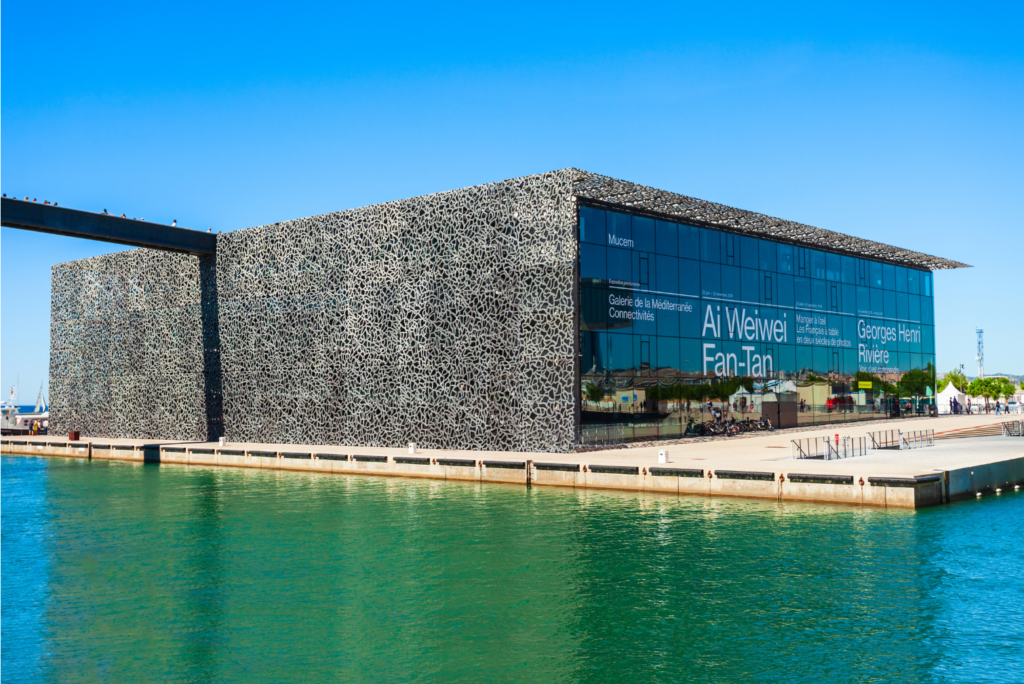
{"x": 37, "y": 428}
{"x": 956, "y": 408}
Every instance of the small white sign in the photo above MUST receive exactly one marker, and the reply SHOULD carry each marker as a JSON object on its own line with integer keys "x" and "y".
{"x": 412, "y": 447}
{"x": 663, "y": 456}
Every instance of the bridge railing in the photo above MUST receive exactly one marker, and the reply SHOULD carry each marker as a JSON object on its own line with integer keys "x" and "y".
{"x": 1013, "y": 428}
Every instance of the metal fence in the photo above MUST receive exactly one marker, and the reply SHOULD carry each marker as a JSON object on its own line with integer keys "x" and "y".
{"x": 898, "y": 439}
{"x": 827, "y": 449}
{"x": 1014, "y": 428}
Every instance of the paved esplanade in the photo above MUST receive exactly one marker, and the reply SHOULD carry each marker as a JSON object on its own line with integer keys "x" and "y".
{"x": 758, "y": 466}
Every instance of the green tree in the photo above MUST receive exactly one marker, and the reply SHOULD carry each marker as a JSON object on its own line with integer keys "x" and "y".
{"x": 1003, "y": 388}
{"x": 985, "y": 387}
{"x": 955, "y": 376}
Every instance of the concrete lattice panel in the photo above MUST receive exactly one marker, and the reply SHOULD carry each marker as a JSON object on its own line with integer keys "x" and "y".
{"x": 445, "y": 320}
{"x": 129, "y": 353}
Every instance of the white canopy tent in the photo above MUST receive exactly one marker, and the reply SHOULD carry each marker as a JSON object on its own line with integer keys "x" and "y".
{"x": 951, "y": 392}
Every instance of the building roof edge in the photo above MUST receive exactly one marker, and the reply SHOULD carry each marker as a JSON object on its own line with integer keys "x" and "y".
{"x": 634, "y": 196}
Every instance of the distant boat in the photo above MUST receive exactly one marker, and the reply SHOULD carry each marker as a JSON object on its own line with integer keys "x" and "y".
{"x": 13, "y": 422}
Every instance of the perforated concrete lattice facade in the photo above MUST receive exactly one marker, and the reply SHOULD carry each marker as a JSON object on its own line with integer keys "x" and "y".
{"x": 133, "y": 346}
{"x": 445, "y": 320}
{"x": 449, "y": 320}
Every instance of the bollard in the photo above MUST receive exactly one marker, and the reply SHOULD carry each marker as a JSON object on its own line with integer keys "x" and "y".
{"x": 412, "y": 448}
{"x": 663, "y": 456}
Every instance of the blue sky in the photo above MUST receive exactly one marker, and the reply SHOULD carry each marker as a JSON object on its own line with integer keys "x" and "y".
{"x": 895, "y": 123}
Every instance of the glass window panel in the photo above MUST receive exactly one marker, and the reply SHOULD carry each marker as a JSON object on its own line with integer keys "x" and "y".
{"x": 751, "y": 362}
{"x": 802, "y": 292}
{"x": 849, "y": 299}
{"x": 833, "y": 296}
{"x": 862, "y": 272}
{"x": 817, "y": 263}
{"x": 909, "y": 337}
{"x": 668, "y": 356}
{"x": 802, "y": 261}
{"x": 711, "y": 318}
{"x": 818, "y": 300}
{"x": 733, "y": 356}
{"x": 689, "y": 277}
{"x": 875, "y": 274}
{"x": 849, "y": 268}
{"x": 915, "y": 308}
{"x": 620, "y": 354}
{"x": 643, "y": 234}
{"x": 785, "y": 259}
{"x": 750, "y": 287}
{"x": 594, "y": 348}
{"x": 916, "y": 362}
{"x": 849, "y": 331}
{"x": 926, "y": 279}
{"x": 667, "y": 312}
{"x": 767, "y": 283}
{"x": 620, "y": 229}
{"x": 913, "y": 281}
{"x": 644, "y": 268}
{"x": 927, "y": 339}
{"x": 644, "y": 318}
{"x": 690, "y": 356}
{"x": 863, "y": 301}
{"x": 889, "y": 304}
{"x": 821, "y": 365}
{"x": 901, "y": 279}
{"x": 804, "y": 359}
{"x": 644, "y": 354}
{"x": 927, "y": 311}
{"x": 850, "y": 363}
{"x": 785, "y": 360}
{"x": 689, "y": 242}
{"x": 888, "y": 276}
{"x": 594, "y": 307}
{"x": 592, "y": 225}
{"x": 903, "y": 361}
{"x": 789, "y": 327}
{"x": 667, "y": 274}
{"x": 878, "y": 302}
{"x": 667, "y": 236}
{"x": 690, "y": 318}
{"x": 768, "y": 258}
{"x": 730, "y": 282}
{"x": 710, "y": 280}
{"x": 902, "y": 306}
{"x": 784, "y": 287}
{"x": 710, "y": 246}
{"x": 832, "y": 267}
{"x": 748, "y": 252}
{"x": 592, "y": 261}
{"x": 620, "y": 266}
{"x": 730, "y": 249}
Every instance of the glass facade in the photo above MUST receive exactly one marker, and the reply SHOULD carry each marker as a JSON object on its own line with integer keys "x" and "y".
{"x": 676, "y": 319}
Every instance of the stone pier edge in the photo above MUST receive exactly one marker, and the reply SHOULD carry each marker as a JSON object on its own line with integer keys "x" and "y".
{"x": 779, "y": 484}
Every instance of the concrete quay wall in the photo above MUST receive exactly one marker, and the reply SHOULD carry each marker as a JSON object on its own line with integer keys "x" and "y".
{"x": 785, "y": 481}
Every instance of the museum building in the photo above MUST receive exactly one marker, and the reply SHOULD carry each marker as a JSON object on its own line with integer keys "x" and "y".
{"x": 533, "y": 314}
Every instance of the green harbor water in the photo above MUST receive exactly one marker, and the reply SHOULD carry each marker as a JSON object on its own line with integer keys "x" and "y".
{"x": 114, "y": 572}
